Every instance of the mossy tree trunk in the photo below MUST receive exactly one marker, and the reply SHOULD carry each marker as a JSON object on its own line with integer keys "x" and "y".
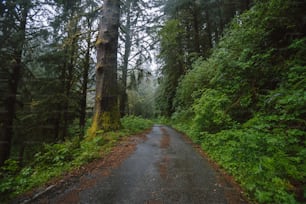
{"x": 107, "y": 115}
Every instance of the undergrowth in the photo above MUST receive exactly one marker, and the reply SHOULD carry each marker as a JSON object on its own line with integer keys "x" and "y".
{"x": 57, "y": 159}
{"x": 268, "y": 162}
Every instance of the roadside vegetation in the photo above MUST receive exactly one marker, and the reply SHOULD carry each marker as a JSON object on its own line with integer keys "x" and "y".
{"x": 246, "y": 103}
{"x": 54, "y": 160}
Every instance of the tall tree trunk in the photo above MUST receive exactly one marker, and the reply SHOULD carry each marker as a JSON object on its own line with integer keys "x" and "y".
{"x": 6, "y": 126}
{"x": 62, "y": 105}
{"x": 10, "y": 112}
{"x": 85, "y": 80}
{"x": 70, "y": 67}
{"x": 107, "y": 115}
{"x": 57, "y": 122}
{"x": 244, "y": 5}
{"x": 221, "y": 22}
{"x": 196, "y": 25}
{"x": 229, "y": 10}
{"x": 127, "y": 52}
{"x": 209, "y": 31}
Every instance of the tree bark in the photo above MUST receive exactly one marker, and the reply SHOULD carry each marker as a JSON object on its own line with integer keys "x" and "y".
{"x": 107, "y": 115}
{"x": 208, "y": 28}
{"x": 221, "y": 22}
{"x": 10, "y": 112}
{"x": 196, "y": 25}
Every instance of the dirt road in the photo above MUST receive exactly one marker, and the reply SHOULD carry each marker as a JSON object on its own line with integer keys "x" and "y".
{"x": 164, "y": 168}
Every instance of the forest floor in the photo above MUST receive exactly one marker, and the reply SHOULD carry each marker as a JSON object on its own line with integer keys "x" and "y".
{"x": 161, "y": 166}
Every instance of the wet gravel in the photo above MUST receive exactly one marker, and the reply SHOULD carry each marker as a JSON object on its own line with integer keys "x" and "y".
{"x": 163, "y": 169}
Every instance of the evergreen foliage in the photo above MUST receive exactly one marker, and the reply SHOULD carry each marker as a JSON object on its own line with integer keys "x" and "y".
{"x": 40, "y": 101}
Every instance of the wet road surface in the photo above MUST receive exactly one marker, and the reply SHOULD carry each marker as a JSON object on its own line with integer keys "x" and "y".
{"x": 163, "y": 169}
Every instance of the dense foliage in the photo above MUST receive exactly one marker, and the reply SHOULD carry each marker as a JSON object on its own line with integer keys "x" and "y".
{"x": 55, "y": 160}
{"x": 46, "y": 72}
{"x": 191, "y": 30}
{"x": 246, "y": 103}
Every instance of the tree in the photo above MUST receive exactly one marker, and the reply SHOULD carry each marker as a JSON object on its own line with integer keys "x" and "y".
{"x": 14, "y": 16}
{"x": 107, "y": 115}
{"x": 136, "y": 38}
{"x": 86, "y": 65}
{"x": 126, "y": 55}
{"x": 45, "y": 71}
{"x": 67, "y": 62}
{"x": 172, "y": 55}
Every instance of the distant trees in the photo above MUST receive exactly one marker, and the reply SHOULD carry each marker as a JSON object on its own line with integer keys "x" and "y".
{"x": 136, "y": 42}
{"x": 86, "y": 71}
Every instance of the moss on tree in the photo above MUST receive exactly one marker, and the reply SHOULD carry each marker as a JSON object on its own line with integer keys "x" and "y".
{"x": 105, "y": 121}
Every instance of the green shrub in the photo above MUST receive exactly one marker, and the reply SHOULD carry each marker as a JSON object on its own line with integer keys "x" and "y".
{"x": 192, "y": 84}
{"x": 266, "y": 159}
{"x": 210, "y": 112}
{"x": 134, "y": 124}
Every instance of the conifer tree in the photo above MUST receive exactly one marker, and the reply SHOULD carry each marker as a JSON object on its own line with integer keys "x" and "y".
{"x": 14, "y": 17}
{"x": 107, "y": 116}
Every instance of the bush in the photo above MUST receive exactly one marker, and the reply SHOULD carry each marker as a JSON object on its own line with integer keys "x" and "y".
{"x": 134, "y": 124}
{"x": 192, "y": 84}
{"x": 265, "y": 158}
{"x": 210, "y": 112}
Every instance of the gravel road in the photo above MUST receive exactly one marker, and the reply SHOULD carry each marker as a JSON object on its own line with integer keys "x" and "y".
{"x": 164, "y": 168}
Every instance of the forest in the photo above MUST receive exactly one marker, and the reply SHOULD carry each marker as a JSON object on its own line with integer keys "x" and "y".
{"x": 77, "y": 76}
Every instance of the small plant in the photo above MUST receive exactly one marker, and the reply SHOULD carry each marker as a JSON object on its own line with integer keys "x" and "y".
{"x": 10, "y": 167}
